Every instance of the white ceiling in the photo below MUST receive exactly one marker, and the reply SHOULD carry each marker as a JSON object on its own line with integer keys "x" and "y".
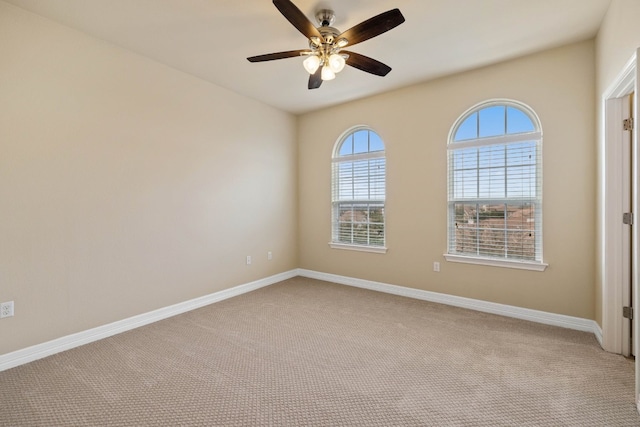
{"x": 211, "y": 39}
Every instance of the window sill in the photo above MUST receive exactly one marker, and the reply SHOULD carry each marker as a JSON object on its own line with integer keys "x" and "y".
{"x": 360, "y": 248}
{"x": 522, "y": 265}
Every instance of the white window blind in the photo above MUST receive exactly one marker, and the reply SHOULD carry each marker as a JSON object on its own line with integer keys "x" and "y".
{"x": 495, "y": 183}
{"x": 358, "y": 189}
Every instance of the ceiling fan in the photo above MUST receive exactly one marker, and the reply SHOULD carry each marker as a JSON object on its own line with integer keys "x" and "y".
{"x": 325, "y": 56}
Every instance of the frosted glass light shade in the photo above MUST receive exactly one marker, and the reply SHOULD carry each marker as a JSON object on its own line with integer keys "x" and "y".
{"x": 327, "y": 73}
{"x": 336, "y": 62}
{"x": 311, "y": 64}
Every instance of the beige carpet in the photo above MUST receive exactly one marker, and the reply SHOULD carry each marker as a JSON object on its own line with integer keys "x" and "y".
{"x": 305, "y": 352}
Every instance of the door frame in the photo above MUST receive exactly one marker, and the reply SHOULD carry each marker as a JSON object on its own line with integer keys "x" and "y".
{"x": 612, "y": 263}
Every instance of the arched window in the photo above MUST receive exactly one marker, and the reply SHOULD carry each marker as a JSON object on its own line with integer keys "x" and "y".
{"x": 358, "y": 191}
{"x": 495, "y": 186}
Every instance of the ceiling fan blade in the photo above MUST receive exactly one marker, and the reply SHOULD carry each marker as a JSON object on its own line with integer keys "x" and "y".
{"x": 366, "y": 64}
{"x": 373, "y": 27}
{"x": 315, "y": 80}
{"x": 277, "y": 55}
{"x": 297, "y": 18}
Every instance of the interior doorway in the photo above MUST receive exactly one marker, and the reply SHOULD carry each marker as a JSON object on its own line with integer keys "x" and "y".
{"x": 619, "y": 178}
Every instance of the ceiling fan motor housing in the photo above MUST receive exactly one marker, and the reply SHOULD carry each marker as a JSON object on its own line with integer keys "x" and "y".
{"x": 325, "y": 18}
{"x": 329, "y": 35}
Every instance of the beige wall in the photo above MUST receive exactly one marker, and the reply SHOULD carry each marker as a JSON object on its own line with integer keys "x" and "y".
{"x": 617, "y": 40}
{"x": 414, "y": 122}
{"x": 126, "y": 186}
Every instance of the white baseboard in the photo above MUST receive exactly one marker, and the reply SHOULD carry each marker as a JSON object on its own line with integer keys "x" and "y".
{"x": 560, "y": 320}
{"x": 597, "y": 331}
{"x": 29, "y": 354}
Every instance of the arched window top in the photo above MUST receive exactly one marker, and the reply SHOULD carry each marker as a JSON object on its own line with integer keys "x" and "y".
{"x": 494, "y": 119}
{"x": 358, "y": 141}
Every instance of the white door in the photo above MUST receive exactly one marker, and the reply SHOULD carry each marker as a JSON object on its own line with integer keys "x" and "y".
{"x": 628, "y": 191}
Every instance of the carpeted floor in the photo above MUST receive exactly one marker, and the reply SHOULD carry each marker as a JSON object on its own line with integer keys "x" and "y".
{"x": 306, "y": 352}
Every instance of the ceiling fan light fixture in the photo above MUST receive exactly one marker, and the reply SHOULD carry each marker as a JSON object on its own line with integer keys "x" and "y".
{"x": 311, "y": 64}
{"x": 336, "y": 63}
{"x": 327, "y": 73}
{"x": 342, "y": 42}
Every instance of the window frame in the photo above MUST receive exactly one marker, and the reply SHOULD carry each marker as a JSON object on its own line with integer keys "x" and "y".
{"x": 505, "y": 139}
{"x": 337, "y": 159}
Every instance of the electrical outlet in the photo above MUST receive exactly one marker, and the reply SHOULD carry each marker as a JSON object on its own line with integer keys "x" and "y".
{"x": 6, "y": 309}
{"x": 248, "y": 259}
{"x": 436, "y": 266}
{"x": 269, "y": 256}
